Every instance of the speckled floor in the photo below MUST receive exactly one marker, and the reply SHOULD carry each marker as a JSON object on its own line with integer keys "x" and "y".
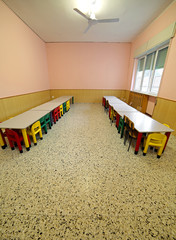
{"x": 80, "y": 182}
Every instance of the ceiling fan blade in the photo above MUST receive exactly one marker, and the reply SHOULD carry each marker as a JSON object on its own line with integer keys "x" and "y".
{"x": 81, "y": 13}
{"x": 88, "y": 27}
{"x": 107, "y": 20}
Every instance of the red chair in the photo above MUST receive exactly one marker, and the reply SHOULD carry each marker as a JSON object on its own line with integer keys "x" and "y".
{"x": 14, "y": 136}
{"x": 59, "y": 113}
{"x": 55, "y": 115}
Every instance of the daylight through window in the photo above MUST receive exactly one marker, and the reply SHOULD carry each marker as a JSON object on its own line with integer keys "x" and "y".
{"x": 149, "y": 71}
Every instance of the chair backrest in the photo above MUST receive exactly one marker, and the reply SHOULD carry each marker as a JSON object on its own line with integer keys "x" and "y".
{"x": 166, "y": 125}
{"x": 131, "y": 124}
{"x": 126, "y": 120}
{"x": 156, "y": 138}
{"x": 55, "y": 111}
{"x": 139, "y": 108}
{"x": 42, "y": 122}
{"x": 47, "y": 118}
{"x": 36, "y": 127}
{"x": 11, "y": 134}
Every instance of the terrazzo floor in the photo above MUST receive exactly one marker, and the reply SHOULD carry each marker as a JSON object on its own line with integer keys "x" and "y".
{"x": 80, "y": 182}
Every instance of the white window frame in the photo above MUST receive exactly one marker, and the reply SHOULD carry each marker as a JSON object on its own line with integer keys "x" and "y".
{"x": 152, "y": 70}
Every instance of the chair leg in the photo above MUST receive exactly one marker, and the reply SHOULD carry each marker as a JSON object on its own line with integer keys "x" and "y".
{"x": 130, "y": 143}
{"x": 122, "y": 131}
{"x": 45, "y": 129}
{"x": 19, "y": 146}
{"x": 11, "y": 144}
{"x": 160, "y": 150}
{"x": 126, "y": 137}
{"x": 29, "y": 140}
{"x": 34, "y": 139}
{"x": 40, "y": 133}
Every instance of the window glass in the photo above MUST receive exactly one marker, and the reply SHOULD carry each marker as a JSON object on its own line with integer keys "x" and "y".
{"x": 139, "y": 74}
{"x": 158, "y": 70}
{"x": 147, "y": 72}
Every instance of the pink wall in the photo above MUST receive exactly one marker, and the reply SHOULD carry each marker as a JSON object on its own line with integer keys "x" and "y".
{"x": 168, "y": 84}
{"x": 88, "y": 65}
{"x": 23, "y": 62}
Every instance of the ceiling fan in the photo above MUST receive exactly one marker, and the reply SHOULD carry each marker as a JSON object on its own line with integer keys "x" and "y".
{"x": 92, "y": 20}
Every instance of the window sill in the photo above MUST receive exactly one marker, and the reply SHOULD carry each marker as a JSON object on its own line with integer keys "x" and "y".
{"x": 146, "y": 93}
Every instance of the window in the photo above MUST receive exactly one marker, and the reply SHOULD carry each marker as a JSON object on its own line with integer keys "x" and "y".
{"x": 149, "y": 71}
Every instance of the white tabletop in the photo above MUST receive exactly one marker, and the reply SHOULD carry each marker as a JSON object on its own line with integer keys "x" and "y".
{"x": 51, "y": 105}
{"x": 62, "y": 99}
{"x": 123, "y": 107}
{"x": 144, "y": 123}
{"x": 47, "y": 106}
{"x": 110, "y": 97}
{"x": 23, "y": 120}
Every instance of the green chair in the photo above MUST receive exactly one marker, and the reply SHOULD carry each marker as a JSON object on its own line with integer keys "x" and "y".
{"x": 48, "y": 120}
{"x": 121, "y": 127}
{"x": 64, "y": 107}
{"x": 44, "y": 120}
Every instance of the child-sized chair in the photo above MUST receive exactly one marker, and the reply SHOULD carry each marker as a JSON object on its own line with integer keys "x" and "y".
{"x": 67, "y": 105}
{"x": 35, "y": 128}
{"x": 2, "y": 139}
{"x": 44, "y": 120}
{"x": 64, "y": 107}
{"x": 130, "y": 131}
{"x": 14, "y": 136}
{"x": 157, "y": 140}
{"x": 48, "y": 120}
{"x": 61, "y": 110}
{"x": 121, "y": 127}
{"x": 55, "y": 115}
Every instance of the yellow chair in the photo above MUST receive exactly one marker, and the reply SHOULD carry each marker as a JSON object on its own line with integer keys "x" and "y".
{"x": 112, "y": 115}
{"x": 130, "y": 131}
{"x": 35, "y": 128}
{"x": 157, "y": 140}
{"x": 166, "y": 125}
{"x": 61, "y": 110}
{"x": 67, "y": 105}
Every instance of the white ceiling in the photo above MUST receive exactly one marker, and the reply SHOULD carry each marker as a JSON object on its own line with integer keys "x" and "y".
{"x": 56, "y": 21}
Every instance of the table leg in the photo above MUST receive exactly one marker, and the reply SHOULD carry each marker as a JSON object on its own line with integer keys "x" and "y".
{"x": 2, "y": 141}
{"x": 24, "y": 133}
{"x": 167, "y": 135}
{"x": 138, "y": 142}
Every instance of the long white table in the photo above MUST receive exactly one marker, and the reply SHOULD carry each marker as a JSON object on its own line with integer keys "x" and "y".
{"x": 142, "y": 123}
{"x": 123, "y": 107}
{"x": 24, "y": 120}
{"x": 51, "y": 105}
